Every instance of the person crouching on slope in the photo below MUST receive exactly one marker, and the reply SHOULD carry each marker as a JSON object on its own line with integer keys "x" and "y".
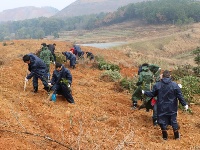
{"x": 61, "y": 81}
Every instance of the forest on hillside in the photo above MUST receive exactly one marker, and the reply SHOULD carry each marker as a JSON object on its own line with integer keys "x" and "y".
{"x": 177, "y": 12}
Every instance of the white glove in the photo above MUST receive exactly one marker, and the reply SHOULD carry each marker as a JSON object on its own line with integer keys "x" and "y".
{"x": 49, "y": 84}
{"x": 68, "y": 85}
{"x": 54, "y": 62}
{"x": 26, "y": 80}
{"x": 186, "y": 107}
{"x": 180, "y": 85}
{"x": 142, "y": 91}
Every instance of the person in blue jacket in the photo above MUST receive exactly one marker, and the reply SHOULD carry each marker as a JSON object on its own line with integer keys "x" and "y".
{"x": 78, "y": 52}
{"x": 71, "y": 57}
{"x": 38, "y": 69}
{"x": 52, "y": 48}
{"x": 168, "y": 93}
{"x": 61, "y": 82}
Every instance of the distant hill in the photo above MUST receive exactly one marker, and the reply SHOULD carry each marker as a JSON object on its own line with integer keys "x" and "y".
{"x": 28, "y": 12}
{"x": 86, "y": 7}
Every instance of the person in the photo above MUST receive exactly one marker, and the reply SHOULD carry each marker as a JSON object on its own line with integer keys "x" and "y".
{"x": 90, "y": 55}
{"x": 144, "y": 83}
{"x": 168, "y": 93}
{"x": 52, "y": 48}
{"x": 155, "y": 69}
{"x": 44, "y": 46}
{"x": 47, "y": 57}
{"x": 77, "y": 51}
{"x": 38, "y": 69}
{"x": 61, "y": 82}
{"x": 71, "y": 57}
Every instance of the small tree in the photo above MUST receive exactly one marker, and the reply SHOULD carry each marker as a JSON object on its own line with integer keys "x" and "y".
{"x": 197, "y": 60}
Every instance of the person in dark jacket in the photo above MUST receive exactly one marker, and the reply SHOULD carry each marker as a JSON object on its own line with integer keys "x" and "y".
{"x": 52, "y": 48}
{"x": 168, "y": 93}
{"x": 61, "y": 81}
{"x": 71, "y": 57}
{"x": 78, "y": 52}
{"x": 90, "y": 55}
{"x": 38, "y": 69}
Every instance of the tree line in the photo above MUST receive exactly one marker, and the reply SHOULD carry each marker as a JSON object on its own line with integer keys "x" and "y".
{"x": 176, "y": 12}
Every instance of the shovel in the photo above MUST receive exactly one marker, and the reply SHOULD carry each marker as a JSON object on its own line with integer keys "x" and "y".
{"x": 25, "y": 83}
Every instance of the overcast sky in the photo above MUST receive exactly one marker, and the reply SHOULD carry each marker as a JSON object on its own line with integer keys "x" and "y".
{"x": 10, "y": 4}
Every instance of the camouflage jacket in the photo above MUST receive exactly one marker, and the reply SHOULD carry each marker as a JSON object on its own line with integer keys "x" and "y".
{"x": 145, "y": 78}
{"x": 156, "y": 72}
{"x": 46, "y": 56}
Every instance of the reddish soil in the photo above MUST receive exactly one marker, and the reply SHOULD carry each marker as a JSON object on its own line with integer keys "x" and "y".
{"x": 100, "y": 119}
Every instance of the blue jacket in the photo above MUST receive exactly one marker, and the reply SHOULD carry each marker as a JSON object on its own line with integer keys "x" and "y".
{"x": 69, "y": 55}
{"x": 37, "y": 67}
{"x": 58, "y": 75}
{"x": 51, "y": 47}
{"x": 168, "y": 93}
{"x": 77, "y": 50}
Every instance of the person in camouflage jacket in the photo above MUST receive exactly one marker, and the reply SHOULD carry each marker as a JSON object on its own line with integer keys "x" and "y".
{"x": 47, "y": 57}
{"x": 144, "y": 82}
{"x": 156, "y": 72}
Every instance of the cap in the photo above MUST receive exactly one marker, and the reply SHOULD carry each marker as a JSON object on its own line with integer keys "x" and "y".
{"x": 44, "y": 44}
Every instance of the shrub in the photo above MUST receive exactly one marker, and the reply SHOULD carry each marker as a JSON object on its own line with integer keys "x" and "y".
{"x": 103, "y": 65}
{"x": 110, "y": 76}
{"x": 129, "y": 84}
{"x": 182, "y": 71}
{"x": 60, "y": 58}
{"x": 197, "y": 70}
{"x": 191, "y": 87}
{"x": 4, "y": 44}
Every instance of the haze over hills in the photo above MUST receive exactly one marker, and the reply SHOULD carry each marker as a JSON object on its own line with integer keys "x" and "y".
{"x": 86, "y": 7}
{"x": 78, "y": 8}
{"x": 28, "y": 12}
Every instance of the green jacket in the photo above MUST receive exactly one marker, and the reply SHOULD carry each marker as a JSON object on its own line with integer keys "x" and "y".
{"x": 156, "y": 72}
{"x": 46, "y": 56}
{"x": 145, "y": 78}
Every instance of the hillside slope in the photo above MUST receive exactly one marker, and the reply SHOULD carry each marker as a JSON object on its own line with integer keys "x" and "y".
{"x": 100, "y": 119}
{"x": 87, "y": 7}
{"x": 28, "y": 12}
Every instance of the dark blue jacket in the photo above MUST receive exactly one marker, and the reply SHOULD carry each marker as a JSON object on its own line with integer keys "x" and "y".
{"x": 69, "y": 55}
{"x": 78, "y": 51}
{"x": 51, "y": 47}
{"x": 77, "y": 48}
{"x": 37, "y": 67}
{"x": 58, "y": 75}
{"x": 168, "y": 93}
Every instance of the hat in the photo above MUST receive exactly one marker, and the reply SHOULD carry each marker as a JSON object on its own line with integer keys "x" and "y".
{"x": 44, "y": 44}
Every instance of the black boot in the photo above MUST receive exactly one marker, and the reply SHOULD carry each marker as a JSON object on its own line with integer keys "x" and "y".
{"x": 155, "y": 122}
{"x": 35, "y": 89}
{"x": 176, "y": 135}
{"x": 164, "y": 134}
{"x": 134, "y": 105}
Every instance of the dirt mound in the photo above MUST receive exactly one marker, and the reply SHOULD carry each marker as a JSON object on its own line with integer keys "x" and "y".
{"x": 100, "y": 119}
